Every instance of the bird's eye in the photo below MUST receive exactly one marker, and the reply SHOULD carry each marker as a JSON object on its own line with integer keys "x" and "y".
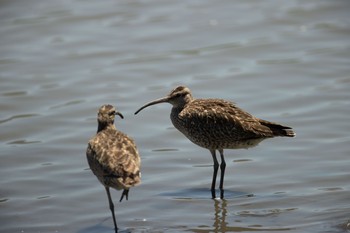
{"x": 112, "y": 113}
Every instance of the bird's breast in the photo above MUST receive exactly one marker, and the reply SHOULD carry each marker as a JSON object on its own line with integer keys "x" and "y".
{"x": 192, "y": 128}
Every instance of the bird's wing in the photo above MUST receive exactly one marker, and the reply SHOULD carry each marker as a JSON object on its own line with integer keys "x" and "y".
{"x": 221, "y": 113}
{"x": 116, "y": 155}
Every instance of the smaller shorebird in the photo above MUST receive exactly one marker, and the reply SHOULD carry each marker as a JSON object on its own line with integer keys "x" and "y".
{"x": 217, "y": 124}
{"x": 113, "y": 157}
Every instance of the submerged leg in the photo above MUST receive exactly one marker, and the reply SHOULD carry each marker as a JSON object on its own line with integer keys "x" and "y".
{"x": 216, "y": 167}
{"x": 111, "y": 207}
{"x": 126, "y": 194}
{"x": 222, "y": 168}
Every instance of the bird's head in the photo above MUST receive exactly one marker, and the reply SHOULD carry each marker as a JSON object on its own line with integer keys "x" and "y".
{"x": 106, "y": 114}
{"x": 178, "y": 97}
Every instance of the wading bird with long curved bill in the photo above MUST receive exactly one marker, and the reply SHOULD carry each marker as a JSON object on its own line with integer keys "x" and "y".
{"x": 217, "y": 124}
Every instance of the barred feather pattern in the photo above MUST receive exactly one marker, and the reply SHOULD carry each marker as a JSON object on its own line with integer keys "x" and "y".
{"x": 114, "y": 159}
{"x": 220, "y": 124}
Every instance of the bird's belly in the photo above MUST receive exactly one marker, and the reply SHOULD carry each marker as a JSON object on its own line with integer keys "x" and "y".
{"x": 203, "y": 137}
{"x": 212, "y": 137}
{"x": 215, "y": 143}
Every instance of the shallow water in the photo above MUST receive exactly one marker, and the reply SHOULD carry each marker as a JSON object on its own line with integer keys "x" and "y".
{"x": 283, "y": 61}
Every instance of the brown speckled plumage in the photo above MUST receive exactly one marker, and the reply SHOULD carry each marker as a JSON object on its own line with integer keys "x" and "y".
{"x": 217, "y": 124}
{"x": 113, "y": 156}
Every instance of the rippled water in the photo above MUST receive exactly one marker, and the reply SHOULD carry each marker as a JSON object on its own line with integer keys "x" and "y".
{"x": 283, "y": 61}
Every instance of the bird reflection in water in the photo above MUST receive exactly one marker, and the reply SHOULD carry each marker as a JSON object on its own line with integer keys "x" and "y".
{"x": 220, "y": 224}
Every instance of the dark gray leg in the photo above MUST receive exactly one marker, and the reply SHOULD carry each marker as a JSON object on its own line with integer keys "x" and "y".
{"x": 222, "y": 168}
{"x": 111, "y": 207}
{"x": 216, "y": 167}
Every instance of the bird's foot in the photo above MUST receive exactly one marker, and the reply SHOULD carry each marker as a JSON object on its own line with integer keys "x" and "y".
{"x": 126, "y": 194}
{"x": 222, "y": 193}
{"x": 213, "y": 194}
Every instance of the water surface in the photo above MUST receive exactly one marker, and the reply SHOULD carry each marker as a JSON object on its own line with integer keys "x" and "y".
{"x": 283, "y": 61}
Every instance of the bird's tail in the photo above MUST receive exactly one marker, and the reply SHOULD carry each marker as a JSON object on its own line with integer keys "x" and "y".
{"x": 278, "y": 130}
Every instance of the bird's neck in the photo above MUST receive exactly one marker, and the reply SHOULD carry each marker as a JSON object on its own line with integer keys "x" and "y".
{"x": 105, "y": 126}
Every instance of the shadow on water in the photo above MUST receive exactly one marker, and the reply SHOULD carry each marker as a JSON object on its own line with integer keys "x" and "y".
{"x": 95, "y": 229}
{"x": 222, "y": 224}
{"x": 202, "y": 193}
{"x": 98, "y": 228}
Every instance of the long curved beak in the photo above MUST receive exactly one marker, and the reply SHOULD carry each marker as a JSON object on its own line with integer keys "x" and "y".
{"x": 119, "y": 114}
{"x": 157, "y": 101}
